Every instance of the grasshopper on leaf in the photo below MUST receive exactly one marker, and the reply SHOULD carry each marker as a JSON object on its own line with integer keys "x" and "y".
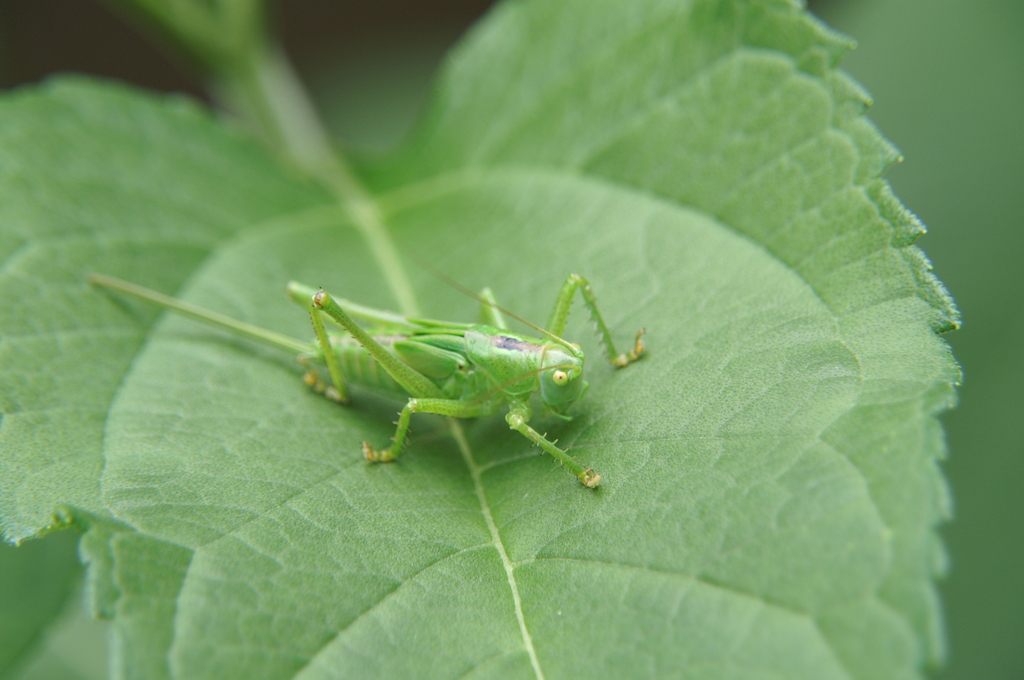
{"x": 451, "y": 369}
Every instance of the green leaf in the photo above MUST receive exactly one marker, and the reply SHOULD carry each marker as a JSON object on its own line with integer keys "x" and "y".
{"x": 770, "y": 482}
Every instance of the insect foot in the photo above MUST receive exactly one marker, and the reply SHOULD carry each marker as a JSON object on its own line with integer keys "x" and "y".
{"x": 589, "y": 478}
{"x": 313, "y": 380}
{"x": 638, "y": 349}
{"x": 374, "y": 456}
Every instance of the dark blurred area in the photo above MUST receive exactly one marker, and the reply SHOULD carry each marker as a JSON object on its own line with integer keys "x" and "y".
{"x": 948, "y": 79}
{"x": 383, "y": 52}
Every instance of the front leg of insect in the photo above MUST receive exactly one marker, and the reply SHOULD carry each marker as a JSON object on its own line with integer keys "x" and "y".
{"x": 560, "y": 314}
{"x": 518, "y": 419}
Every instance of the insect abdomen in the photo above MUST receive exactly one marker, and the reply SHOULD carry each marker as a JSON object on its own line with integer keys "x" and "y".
{"x": 359, "y": 368}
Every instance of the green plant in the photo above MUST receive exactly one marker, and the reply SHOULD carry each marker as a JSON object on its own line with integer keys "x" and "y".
{"x": 767, "y": 508}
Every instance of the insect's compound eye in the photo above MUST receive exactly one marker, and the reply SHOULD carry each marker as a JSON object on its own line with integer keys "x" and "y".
{"x": 560, "y": 377}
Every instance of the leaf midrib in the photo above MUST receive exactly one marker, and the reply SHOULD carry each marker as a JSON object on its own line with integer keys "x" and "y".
{"x": 492, "y": 527}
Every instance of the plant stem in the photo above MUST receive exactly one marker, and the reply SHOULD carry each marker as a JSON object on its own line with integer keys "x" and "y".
{"x": 266, "y": 91}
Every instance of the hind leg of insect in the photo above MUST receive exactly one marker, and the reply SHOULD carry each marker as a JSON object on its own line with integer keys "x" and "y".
{"x": 411, "y": 380}
{"x": 560, "y": 314}
{"x": 336, "y": 390}
{"x": 427, "y": 397}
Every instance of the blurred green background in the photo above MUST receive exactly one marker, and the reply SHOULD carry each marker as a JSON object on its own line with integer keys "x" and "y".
{"x": 948, "y": 79}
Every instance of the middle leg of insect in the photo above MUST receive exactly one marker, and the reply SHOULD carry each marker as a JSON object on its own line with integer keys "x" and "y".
{"x": 461, "y": 370}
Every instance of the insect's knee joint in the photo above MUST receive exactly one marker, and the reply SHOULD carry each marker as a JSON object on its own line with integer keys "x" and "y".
{"x": 318, "y": 299}
{"x": 515, "y": 420}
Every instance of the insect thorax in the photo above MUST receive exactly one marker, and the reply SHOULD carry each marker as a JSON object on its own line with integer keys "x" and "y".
{"x": 509, "y": 359}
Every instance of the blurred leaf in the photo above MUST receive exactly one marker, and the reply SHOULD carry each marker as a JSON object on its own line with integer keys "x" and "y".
{"x": 35, "y": 582}
{"x": 770, "y": 469}
{"x": 74, "y": 647}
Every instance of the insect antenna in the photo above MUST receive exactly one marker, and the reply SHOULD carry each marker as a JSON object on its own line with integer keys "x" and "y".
{"x": 437, "y": 273}
{"x": 249, "y": 330}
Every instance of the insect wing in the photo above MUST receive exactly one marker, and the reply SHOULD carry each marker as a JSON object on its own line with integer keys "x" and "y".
{"x": 426, "y": 357}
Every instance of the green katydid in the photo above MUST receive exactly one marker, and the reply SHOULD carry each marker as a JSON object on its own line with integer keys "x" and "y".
{"x": 452, "y": 369}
